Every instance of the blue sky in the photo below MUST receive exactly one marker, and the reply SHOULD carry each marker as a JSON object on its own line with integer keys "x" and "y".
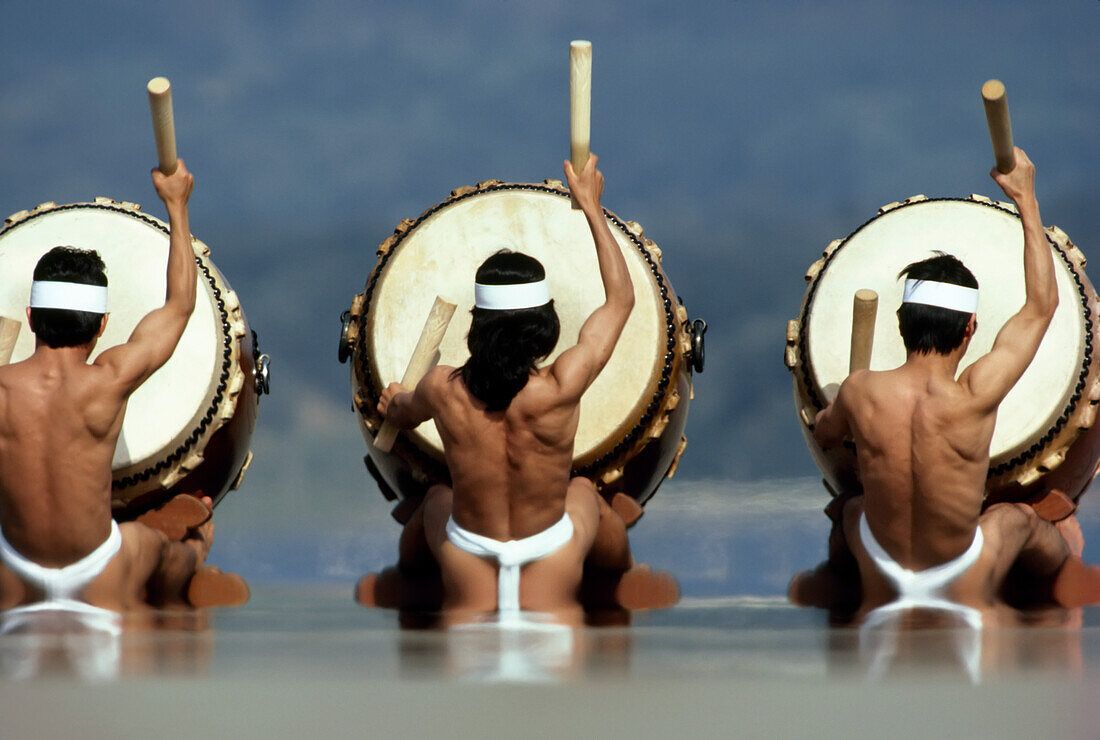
{"x": 743, "y": 136}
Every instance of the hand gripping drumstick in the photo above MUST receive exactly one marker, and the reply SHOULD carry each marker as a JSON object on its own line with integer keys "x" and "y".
{"x": 1000, "y": 126}
{"x": 580, "y": 104}
{"x": 424, "y": 357}
{"x": 164, "y": 126}
{"x": 864, "y": 307}
{"x": 9, "y": 332}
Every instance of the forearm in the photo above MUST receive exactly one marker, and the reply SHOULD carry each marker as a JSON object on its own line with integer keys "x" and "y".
{"x": 618, "y": 288}
{"x": 403, "y": 411}
{"x": 182, "y": 273}
{"x": 1039, "y": 283}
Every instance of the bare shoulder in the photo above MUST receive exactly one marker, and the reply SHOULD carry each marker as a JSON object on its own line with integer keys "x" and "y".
{"x": 542, "y": 393}
{"x": 876, "y": 382}
{"x": 855, "y": 386}
{"x": 439, "y": 380}
{"x": 871, "y": 390}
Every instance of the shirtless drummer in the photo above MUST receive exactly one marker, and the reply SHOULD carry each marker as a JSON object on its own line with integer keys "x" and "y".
{"x": 508, "y": 429}
{"x": 918, "y": 533}
{"x": 60, "y": 419}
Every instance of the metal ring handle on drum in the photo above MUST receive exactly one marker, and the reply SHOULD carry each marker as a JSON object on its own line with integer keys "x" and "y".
{"x": 263, "y": 375}
{"x": 343, "y": 352}
{"x": 698, "y": 345}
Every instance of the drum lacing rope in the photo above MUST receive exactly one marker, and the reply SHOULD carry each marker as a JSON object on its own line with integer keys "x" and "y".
{"x": 670, "y": 325}
{"x": 1074, "y": 399}
{"x": 227, "y": 345}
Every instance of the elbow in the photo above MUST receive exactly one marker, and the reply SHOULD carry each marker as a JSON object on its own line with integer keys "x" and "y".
{"x": 1052, "y": 305}
{"x": 624, "y": 300}
{"x": 1046, "y": 306}
{"x": 182, "y": 304}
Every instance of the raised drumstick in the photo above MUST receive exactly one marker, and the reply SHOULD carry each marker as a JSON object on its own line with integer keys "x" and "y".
{"x": 424, "y": 357}
{"x": 580, "y": 104}
{"x": 9, "y": 332}
{"x": 164, "y": 126}
{"x": 864, "y": 308}
{"x": 1000, "y": 126}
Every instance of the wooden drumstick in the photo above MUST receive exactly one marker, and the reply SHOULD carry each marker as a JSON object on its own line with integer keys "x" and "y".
{"x": 1000, "y": 126}
{"x": 164, "y": 126}
{"x": 424, "y": 357}
{"x": 9, "y": 332}
{"x": 864, "y": 308}
{"x": 580, "y": 104}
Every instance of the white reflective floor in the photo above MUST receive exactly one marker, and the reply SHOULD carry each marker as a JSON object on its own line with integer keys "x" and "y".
{"x": 303, "y": 660}
{"x": 307, "y": 661}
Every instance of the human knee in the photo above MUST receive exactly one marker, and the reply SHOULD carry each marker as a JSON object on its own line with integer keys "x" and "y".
{"x": 1016, "y": 515}
{"x": 142, "y": 540}
{"x": 438, "y": 494}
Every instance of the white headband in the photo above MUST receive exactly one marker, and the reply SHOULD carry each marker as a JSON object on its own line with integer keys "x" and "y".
{"x": 509, "y": 297}
{"x": 943, "y": 295}
{"x": 71, "y": 296}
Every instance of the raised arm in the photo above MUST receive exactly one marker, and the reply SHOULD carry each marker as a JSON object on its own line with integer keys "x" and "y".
{"x": 157, "y": 334}
{"x": 577, "y": 367}
{"x": 991, "y": 377}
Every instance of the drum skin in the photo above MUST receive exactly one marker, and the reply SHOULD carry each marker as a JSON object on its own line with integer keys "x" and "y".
{"x": 211, "y": 458}
{"x": 636, "y": 454}
{"x": 1062, "y": 456}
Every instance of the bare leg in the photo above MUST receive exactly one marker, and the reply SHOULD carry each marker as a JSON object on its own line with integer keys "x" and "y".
{"x": 611, "y": 578}
{"x": 469, "y": 582}
{"x": 12, "y": 590}
{"x": 1034, "y": 555}
{"x": 611, "y": 547}
{"x": 835, "y": 583}
{"x": 207, "y": 586}
{"x": 392, "y": 589}
{"x": 184, "y": 531}
{"x": 415, "y": 583}
{"x": 414, "y": 557}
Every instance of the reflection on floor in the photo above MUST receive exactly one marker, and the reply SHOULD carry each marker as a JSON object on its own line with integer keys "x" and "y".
{"x": 321, "y": 630}
{"x": 304, "y": 661}
{"x": 75, "y": 640}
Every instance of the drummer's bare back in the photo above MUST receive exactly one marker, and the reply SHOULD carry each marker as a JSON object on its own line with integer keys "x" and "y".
{"x": 922, "y": 436}
{"x": 510, "y": 469}
{"x": 60, "y": 417}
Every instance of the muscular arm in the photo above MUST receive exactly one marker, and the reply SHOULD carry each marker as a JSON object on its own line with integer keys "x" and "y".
{"x": 408, "y": 409}
{"x": 992, "y": 376}
{"x": 157, "y": 334}
{"x": 831, "y": 423}
{"x": 577, "y": 367}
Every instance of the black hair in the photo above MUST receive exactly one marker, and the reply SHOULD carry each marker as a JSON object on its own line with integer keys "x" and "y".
{"x": 62, "y": 327}
{"x": 926, "y": 329}
{"x": 505, "y": 345}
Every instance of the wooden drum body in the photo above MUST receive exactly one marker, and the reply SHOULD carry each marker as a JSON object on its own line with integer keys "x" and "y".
{"x": 1045, "y": 437}
{"x": 187, "y": 428}
{"x": 632, "y": 418}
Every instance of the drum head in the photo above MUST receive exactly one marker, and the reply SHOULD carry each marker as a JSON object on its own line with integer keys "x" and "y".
{"x": 989, "y": 240}
{"x": 441, "y": 256}
{"x": 165, "y": 412}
